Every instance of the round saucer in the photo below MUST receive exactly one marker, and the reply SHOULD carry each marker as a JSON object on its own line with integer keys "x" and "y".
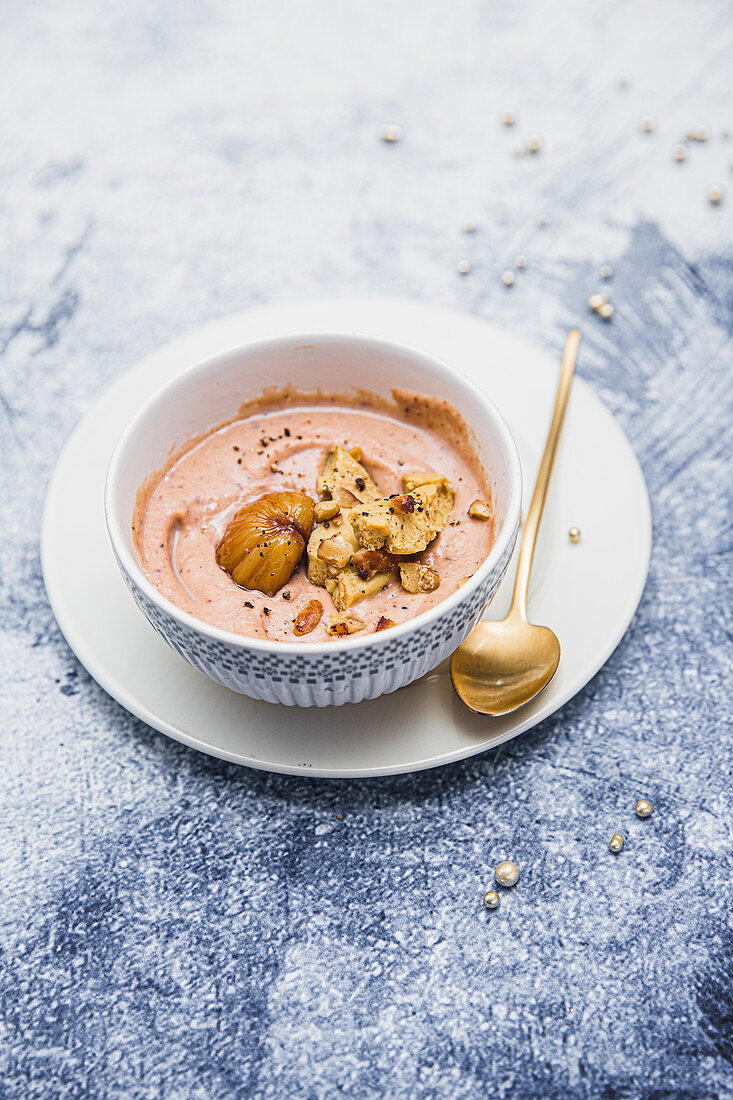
{"x": 586, "y": 591}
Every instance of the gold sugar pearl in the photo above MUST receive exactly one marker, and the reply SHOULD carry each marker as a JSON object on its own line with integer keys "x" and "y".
{"x": 700, "y": 133}
{"x": 643, "y": 808}
{"x": 574, "y": 534}
{"x": 606, "y": 311}
{"x": 533, "y": 143}
{"x": 715, "y": 194}
{"x": 521, "y": 262}
{"x": 508, "y": 278}
{"x": 606, "y": 271}
{"x": 596, "y": 301}
{"x": 509, "y": 118}
{"x": 648, "y": 124}
{"x": 680, "y": 153}
{"x": 616, "y": 843}
{"x": 507, "y": 873}
{"x": 391, "y": 132}
{"x": 491, "y": 899}
{"x": 463, "y": 267}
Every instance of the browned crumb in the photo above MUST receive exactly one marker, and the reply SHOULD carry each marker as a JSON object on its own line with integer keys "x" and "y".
{"x": 479, "y": 510}
{"x": 418, "y": 578}
{"x": 369, "y": 562}
{"x": 308, "y": 617}
{"x": 404, "y": 504}
{"x": 341, "y": 625}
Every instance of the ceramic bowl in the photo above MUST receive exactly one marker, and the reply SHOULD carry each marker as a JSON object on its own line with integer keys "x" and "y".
{"x": 342, "y": 670}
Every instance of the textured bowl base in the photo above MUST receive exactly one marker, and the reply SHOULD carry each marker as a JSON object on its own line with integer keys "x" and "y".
{"x": 305, "y": 679}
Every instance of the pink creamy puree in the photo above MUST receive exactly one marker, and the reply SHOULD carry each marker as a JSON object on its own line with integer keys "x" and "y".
{"x": 182, "y": 512}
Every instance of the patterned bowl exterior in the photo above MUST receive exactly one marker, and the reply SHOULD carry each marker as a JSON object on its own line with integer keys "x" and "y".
{"x": 352, "y": 673}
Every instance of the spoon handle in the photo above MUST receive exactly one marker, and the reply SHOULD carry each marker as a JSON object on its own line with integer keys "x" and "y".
{"x": 529, "y": 538}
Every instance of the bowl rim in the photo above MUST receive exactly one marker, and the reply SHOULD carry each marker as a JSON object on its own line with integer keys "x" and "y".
{"x": 353, "y": 643}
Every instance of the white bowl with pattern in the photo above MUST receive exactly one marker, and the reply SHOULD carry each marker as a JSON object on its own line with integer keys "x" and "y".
{"x": 342, "y": 670}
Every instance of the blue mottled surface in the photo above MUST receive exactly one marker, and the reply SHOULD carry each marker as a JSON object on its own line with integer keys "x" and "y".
{"x": 172, "y": 926}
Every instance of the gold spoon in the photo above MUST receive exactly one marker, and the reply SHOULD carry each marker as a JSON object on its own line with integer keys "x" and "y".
{"x": 501, "y": 666}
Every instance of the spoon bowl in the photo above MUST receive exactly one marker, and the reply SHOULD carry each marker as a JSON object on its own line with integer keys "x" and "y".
{"x": 502, "y": 665}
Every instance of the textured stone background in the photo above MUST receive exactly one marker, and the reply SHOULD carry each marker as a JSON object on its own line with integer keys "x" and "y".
{"x": 173, "y": 926}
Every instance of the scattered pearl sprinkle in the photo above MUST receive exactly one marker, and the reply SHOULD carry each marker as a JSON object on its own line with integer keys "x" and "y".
{"x": 521, "y": 262}
{"x": 391, "y": 132}
{"x": 643, "y": 808}
{"x": 574, "y": 534}
{"x": 606, "y": 271}
{"x": 616, "y": 843}
{"x": 507, "y": 873}
{"x": 463, "y": 267}
{"x": 715, "y": 194}
{"x": 491, "y": 899}
{"x": 648, "y": 124}
{"x": 508, "y": 278}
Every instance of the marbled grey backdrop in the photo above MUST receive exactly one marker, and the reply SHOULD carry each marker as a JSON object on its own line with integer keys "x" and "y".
{"x": 172, "y": 926}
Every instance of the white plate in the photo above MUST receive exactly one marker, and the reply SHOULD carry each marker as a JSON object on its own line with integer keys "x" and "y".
{"x": 586, "y": 592}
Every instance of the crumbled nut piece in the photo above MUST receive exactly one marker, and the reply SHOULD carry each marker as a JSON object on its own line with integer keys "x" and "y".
{"x": 326, "y": 509}
{"x": 405, "y": 504}
{"x": 335, "y": 551}
{"x": 356, "y": 453}
{"x": 418, "y": 578}
{"x": 308, "y": 618}
{"x": 369, "y": 562}
{"x": 341, "y": 625}
{"x": 275, "y": 468}
{"x": 479, "y": 510}
{"x": 287, "y": 595}
{"x": 379, "y": 524}
{"x": 344, "y": 480}
{"x": 414, "y": 481}
{"x": 347, "y": 587}
{"x": 384, "y": 623}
